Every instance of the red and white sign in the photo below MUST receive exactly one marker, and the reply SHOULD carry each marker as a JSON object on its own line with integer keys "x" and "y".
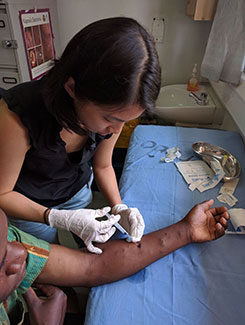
{"x": 38, "y": 40}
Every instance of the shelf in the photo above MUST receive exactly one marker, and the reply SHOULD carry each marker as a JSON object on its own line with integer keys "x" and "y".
{"x": 201, "y": 10}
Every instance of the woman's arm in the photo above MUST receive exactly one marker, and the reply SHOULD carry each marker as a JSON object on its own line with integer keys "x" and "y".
{"x": 14, "y": 144}
{"x": 121, "y": 259}
{"x": 104, "y": 172}
{"x": 131, "y": 218}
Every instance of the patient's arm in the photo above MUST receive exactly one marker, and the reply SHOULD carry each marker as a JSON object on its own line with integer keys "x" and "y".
{"x": 120, "y": 259}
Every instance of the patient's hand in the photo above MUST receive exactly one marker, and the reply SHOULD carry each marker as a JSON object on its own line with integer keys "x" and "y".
{"x": 49, "y": 311}
{"x": 206, "y": 223}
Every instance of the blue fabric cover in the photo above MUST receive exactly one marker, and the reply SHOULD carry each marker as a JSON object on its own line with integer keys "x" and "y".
{"x": 200, "y": 284}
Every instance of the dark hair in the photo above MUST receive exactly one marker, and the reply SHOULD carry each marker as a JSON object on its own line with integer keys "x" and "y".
{"x": 113, "y": 62}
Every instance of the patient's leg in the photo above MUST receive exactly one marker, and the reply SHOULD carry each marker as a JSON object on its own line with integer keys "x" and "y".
{"x": 120, "y": 259}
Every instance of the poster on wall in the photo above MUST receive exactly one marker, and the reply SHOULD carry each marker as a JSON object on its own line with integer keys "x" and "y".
{"x": 38, "y": 40}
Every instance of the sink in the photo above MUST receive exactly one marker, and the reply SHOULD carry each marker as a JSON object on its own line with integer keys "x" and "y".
{"x": 175, "y": 105}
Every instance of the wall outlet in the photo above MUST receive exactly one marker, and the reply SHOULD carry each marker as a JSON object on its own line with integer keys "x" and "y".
{"x": 157, "y": 30}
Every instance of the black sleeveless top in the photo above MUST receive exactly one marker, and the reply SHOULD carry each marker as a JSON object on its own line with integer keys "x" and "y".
{"x": 49, "y": 175}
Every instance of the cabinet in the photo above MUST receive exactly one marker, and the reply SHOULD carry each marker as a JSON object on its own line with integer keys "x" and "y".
{"x": 201, "y": 9}
{"x": 8, "y": 65}
{"x": 8, "y": 78}
{"x": 13, "y": 61}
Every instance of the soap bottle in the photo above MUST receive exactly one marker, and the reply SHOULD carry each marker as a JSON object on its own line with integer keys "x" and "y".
{"x": 192, "y": 84}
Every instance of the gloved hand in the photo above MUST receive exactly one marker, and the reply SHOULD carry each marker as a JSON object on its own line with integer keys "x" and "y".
{"x": 131, "y": 220}
{"x": 83, "y": 223}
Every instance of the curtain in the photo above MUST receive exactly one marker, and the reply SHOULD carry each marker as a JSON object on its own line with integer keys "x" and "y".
{"x": 224, "y": 57}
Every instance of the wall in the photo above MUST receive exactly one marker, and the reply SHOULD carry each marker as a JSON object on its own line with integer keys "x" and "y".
{"x": 233, "y": 99}
{"x": 184, "y": 42}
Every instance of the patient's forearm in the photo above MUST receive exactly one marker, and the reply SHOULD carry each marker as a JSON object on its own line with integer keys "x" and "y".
{"x": 119, "y": 259}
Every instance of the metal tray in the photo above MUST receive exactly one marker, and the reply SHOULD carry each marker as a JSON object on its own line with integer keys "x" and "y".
{"x": 209, "y": 152}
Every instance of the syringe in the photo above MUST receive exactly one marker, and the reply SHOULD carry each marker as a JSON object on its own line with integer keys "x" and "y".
{"x": 120, "y": 228}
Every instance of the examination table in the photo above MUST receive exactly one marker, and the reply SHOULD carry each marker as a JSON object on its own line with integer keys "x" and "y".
{"x": 201, "y": 284}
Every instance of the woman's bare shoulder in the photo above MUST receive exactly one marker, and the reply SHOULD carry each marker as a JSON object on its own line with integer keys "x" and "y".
{"x": 10, "y": 124}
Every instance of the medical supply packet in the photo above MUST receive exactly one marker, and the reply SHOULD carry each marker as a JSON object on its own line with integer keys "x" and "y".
{"x": 171, "y": 154}
{"x": 237, "y": 218}
{"x": 199, "y": 175}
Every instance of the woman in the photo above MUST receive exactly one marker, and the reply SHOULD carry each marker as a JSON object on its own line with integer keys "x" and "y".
{"x": 58, "y": 131}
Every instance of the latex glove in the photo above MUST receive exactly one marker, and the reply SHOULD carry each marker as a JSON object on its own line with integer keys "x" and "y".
{"x": 131, "y": 220}
{"x": 83, "y": 223}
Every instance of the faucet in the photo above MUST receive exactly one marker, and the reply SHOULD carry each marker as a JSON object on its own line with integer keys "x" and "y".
{"x": 201, "y": 100}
